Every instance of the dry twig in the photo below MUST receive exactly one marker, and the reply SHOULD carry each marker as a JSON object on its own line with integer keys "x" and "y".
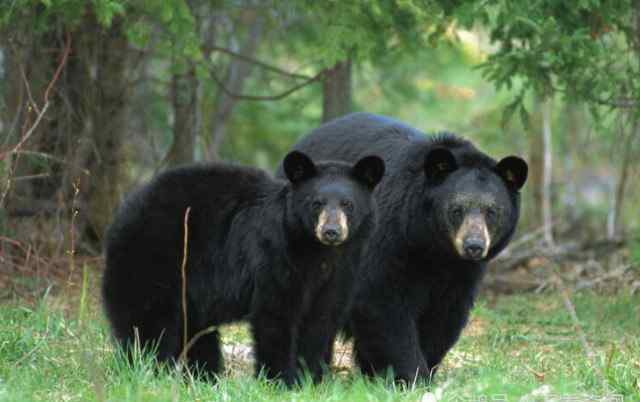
{"x": 591, "y": 356}
{"x": 183, "y": 271}
{"x": 29, "y": 132}
{"x": 41, "y": 113}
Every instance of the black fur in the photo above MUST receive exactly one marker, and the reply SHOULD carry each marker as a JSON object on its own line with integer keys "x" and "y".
{"x": 417, "y": 290}
{"x": 252, "y": 253}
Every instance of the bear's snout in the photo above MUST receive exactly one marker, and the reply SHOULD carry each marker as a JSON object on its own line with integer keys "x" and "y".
{"x": 472, "y": 240}
{"x": 332, "y": 228}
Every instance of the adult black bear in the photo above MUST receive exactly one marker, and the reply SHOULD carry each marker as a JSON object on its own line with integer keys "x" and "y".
{"x": 445, "y": 210}
{"x": 278, "y": 253}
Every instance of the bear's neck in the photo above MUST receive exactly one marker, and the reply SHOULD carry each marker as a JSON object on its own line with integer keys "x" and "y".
{"x": 443, "y": 265}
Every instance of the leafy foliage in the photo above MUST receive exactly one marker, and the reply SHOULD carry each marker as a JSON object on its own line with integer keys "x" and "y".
{"x": 365, "y": 29}
{"x": 586, "y": 50}
{"x": 41, "y": 13}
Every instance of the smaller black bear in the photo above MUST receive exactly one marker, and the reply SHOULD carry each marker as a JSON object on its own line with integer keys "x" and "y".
{"x": 278, "y": 253}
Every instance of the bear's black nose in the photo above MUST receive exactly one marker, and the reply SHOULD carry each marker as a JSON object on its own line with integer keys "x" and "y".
{"x": 331, "y": 235}
{"x": 473, "y": 248}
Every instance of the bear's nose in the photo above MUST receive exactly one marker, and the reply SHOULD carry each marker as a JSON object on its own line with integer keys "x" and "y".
{"x": 473, "y": 248}
{"x": 331, "y": 234}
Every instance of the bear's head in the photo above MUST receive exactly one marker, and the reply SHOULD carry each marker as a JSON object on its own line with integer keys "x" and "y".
{"x": 331, "y": 201}
{"x": 473, "y": 202}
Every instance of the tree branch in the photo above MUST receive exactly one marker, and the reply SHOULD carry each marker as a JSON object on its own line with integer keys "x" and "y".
{"x": 25, "y": 137}
{"x": 622, "y": 103}
{"x": 265, "y": 98}
{"x": 251, "y": 60}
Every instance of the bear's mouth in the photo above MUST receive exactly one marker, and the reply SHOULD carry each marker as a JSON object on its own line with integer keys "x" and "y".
{"x": 332, "y": 228}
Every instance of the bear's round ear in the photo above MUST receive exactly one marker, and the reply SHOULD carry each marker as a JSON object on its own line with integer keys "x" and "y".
{"x": 298, "y": 167}
{"x": 369, "y": 170}
{"x": 513, "y": 171}
{"x": 438, "y": 163}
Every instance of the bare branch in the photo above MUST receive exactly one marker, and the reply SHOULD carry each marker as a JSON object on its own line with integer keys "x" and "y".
{"x": 251, "y": 60}
{"x": 32, "y": 103}
{"x": 41, "y": 113}
{"x": 65, "y": 56}
{"x": 192, "y": 341}
{"x": 622, "y": 103}
{"x": 39, "y": 117}
{"x": 27, "y": 134}
{"x": 266, "y": 98}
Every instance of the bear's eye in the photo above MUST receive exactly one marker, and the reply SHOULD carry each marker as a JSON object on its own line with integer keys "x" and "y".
{"x": 456, "y": 213}
{"x": 492, "y": 214}
{"x": 317, "y": 204}
{"x": 346, "y": 204}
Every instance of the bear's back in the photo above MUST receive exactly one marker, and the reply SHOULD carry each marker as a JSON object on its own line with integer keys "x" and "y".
{"x": 214, "y": 192}
{"x": 356, "y": 135}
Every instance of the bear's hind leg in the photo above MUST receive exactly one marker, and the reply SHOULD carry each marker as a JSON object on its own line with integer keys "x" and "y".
{"x": 152, "y": 331}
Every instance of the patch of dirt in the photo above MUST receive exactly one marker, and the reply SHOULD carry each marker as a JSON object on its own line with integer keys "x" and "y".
{"x": 239, "y": 358}
{"x": 41, "y": 256}
{"x": 476, "y": 327}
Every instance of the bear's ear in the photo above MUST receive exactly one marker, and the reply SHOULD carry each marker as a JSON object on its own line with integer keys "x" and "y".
{"x": 298, "y": 167}
{"x": 438, "y": 163}
{"x": 513, "y": 171}
{"x": 369, "y": 170}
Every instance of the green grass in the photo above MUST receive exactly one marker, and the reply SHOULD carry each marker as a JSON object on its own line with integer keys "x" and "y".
{"x": 516, "y": 347}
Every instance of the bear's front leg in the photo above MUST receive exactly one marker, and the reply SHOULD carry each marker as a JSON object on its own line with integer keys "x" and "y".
{"x": 386, "y": 337}
{"x": 441, "y": 325}
{"x": 274, "y": 332}
{"x": 317, "y": 334}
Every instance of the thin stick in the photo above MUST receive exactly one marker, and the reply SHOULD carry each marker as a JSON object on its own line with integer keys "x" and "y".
{"x": 63, "y": 62}
{"x": 39, "y": 117}
{"x": 183, "y": 270}
{"x": 576, "y": 322}
{"x": 65, "y": 56}
{"x": 72, "y": 236}
{"x": 192, "y": 341}
{"x": 32, "y": 103}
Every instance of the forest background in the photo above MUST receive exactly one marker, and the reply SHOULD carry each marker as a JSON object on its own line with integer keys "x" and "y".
{"x": 98, "y": 96}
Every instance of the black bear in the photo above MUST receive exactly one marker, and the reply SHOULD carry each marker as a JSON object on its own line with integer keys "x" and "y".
{"x": 277, "y": 253}
{"x": 445, "y": 210}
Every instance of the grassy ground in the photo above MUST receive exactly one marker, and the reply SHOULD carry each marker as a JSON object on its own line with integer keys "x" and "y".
{"x": 518, "y": 348}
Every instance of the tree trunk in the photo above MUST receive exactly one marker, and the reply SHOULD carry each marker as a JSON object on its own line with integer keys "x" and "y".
{"x": 237, "y": 74}
{"x": 12, "y": 118}
{"x": 627, "y": 159}
{"x": 536, "y": 169}
{"x": 618, "y": 202}
{"x": 547, "y": 171}
{"x": 29, "y": 71}
{"x": 571, "y": 150}
{"x": 106, "y": 123}
{"x": 184, "y": 94}
{"x": 14, "y": 94}
{"x": 336, "y": 91}
{"x": 77, "y": 149}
